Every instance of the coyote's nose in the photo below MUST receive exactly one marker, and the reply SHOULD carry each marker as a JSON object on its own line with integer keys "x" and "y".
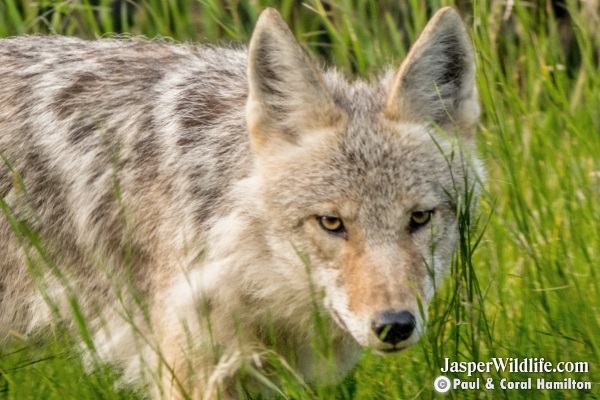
{"x": 392, "y": 326}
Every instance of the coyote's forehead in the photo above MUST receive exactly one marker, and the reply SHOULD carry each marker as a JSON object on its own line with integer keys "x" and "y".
{"x": 379, "y": 166}
{"x": 390, "y": 160}
{"x": 378, "y": 159}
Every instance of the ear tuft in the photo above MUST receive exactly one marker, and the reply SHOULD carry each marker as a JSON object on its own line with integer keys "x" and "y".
{"x": 436, "y": 82}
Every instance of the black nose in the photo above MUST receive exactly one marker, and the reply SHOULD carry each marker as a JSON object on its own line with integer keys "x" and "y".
{"x": 392, "y": 326}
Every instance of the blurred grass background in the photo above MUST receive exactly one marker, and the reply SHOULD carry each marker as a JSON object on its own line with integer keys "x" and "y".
{"x": 531, "y": 288}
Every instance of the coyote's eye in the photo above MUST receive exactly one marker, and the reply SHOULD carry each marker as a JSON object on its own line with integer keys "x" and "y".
{"x": 419, "y": 219}
{"x": 333, "y": 225}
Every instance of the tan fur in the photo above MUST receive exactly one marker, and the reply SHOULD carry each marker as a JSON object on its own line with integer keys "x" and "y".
{"x": 177, "y": 193}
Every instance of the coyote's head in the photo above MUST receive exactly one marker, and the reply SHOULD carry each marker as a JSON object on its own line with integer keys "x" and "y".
{"x": 366, "y": 179}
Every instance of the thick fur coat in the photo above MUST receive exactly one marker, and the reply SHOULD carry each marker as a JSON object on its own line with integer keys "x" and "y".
{"x": 199, "y": 205}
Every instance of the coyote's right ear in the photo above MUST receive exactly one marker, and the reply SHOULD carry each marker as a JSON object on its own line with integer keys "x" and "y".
{"x": 436, "y": 82}
{"x": 287, "y": 94}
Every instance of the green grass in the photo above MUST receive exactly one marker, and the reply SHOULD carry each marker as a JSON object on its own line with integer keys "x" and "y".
{"x": 531, "y": 287}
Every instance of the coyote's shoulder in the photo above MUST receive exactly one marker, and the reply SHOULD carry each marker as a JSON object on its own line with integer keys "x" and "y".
{"x": 202, "y": 204}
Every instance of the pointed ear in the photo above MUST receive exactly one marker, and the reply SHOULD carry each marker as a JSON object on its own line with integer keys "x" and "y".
{"x": 287, "y": 94}
{"x": 436, "y": 82}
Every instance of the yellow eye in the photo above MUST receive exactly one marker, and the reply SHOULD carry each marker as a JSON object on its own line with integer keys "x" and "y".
{"x": 420, "y": 218}
{"x": 332, "y": 225}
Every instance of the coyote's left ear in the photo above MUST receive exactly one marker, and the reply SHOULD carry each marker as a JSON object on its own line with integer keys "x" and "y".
{"x": 287, "y": 94}
{"x": 436, "y": 82}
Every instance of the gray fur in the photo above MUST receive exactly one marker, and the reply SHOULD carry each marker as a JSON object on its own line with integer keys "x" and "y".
{"x": 192, "y": 177}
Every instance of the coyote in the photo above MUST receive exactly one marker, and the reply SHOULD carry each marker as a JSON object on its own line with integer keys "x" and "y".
{"x": 201, "y": 206}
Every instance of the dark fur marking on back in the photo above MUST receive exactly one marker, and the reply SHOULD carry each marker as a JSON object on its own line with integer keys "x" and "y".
{"x": 65, "y": 103}
{"x": 147, "y": 151}
{"x": 199, "y": 110}
{"x": 81, "y": 129}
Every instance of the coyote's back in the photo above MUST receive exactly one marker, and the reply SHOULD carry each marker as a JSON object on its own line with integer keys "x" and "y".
{"x": 194, "y": 200}
{"x": 109, "y": 145}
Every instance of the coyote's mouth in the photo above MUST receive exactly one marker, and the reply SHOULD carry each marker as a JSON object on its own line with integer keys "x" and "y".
{"x": 393, "y": 350}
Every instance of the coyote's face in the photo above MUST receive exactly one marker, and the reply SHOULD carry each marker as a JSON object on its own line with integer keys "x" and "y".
{"x": 361, "y": 178}
{"x": 376, "y": 219}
